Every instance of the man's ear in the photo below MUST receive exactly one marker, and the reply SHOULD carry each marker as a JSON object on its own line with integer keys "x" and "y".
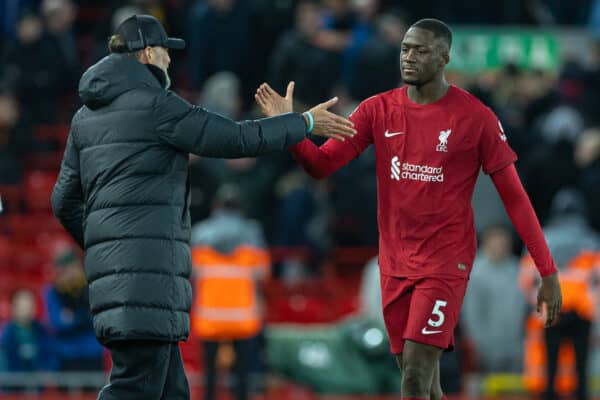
{"x": 145, "y": 55}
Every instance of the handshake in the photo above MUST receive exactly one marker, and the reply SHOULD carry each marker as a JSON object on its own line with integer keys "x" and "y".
{"x": 319, "y": 121}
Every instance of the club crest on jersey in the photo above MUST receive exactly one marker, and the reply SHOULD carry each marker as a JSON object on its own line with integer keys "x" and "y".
{"x": 443, "y": 145}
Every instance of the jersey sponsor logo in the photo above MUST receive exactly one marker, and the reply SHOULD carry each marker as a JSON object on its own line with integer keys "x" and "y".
{"x": 415, "y": 172}
{"x": 443, "y": 138}
{"x": 392, "y": 134}
{"x": 501, "y": 134}
{"x": 426, "y": 331}
{"x": 395, "y": 168}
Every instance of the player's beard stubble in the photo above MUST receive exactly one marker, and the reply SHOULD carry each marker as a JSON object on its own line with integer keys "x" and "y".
{"x": 418, "y": 80}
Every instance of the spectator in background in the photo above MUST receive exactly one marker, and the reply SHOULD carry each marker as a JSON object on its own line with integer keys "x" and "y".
{"x": 220, "y": 37}
{"x": 34, "y": 66}
{"x": 15, "y": 138}
{"x": 299, "y": 56}
{"x": 380, "y": 53}
{"x": 25, "y": 343}
{"x": 551, "y": 166}
{"x": 494, "y": 308}
{"x": 572, "y": 243}
{"x": 230, "y": 264}
{"x": 69, "y": 318}
{"x": 348, "y": 25}
{"x": 220, "y": 93}
{"x": 587, "y": 159}
{"x": 272, "y": 19}
{"x": 302, "y": 223}
{"x": 11, "y": 12}
{"x": 59, "y": 16}
{"x": 568, "y": 230}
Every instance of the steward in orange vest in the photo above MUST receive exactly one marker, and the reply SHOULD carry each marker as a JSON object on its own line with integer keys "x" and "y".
{"x": 229, "y": 264}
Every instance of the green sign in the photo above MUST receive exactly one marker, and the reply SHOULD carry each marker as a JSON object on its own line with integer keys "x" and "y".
{"x": 475, "y": 50}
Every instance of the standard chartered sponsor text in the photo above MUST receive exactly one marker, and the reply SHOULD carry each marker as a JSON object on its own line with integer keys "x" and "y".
{"x": 422, "y": 173}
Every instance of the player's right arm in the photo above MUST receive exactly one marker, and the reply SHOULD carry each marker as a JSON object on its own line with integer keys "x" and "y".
{"x": 320, "y": 162}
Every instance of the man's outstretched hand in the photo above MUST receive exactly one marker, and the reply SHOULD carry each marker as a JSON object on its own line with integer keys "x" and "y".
{"x": 271, "y": 103}
{"x": 326, "y": 123}
{"x": 550, "y": 294}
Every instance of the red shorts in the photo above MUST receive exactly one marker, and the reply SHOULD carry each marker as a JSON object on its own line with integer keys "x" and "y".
{"x": 424, "y": 310}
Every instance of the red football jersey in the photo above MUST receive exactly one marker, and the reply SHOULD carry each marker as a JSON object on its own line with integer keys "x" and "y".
{"x": 428, "y": 159}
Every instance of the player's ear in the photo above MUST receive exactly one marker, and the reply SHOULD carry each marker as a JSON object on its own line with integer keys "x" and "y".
{"x": 445, "y": 58}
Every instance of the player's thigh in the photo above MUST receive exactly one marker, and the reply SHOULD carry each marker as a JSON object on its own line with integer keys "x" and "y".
{"x": 396, "y": 296}
{"x": 434, "y": 311}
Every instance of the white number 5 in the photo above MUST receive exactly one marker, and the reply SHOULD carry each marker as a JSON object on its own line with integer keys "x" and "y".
{"x": 438, "y": 313}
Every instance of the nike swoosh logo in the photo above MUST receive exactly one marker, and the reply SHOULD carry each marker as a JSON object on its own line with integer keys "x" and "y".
{"x": 425, "y": 331}
{"x": 391, "y": 134}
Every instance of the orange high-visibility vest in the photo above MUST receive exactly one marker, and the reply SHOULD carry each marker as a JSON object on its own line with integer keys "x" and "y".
{"x": 226, "y": 306}
{"x": 576, "y": 282}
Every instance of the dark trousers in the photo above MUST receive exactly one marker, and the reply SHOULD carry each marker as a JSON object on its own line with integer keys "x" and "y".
{"x": 570, "y": 326}
{"x": 148, "y": 370}
{"x": 241, "y": 368}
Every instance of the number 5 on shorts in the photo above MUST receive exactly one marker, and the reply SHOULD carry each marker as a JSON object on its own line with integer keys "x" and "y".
{"x": 438, "y": 313}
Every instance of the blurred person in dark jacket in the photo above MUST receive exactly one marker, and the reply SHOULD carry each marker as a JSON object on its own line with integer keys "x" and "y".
{"x": 69, "y": 318}
{"x": 25, "y": 342}
{"x": 300, "y": 57}
{"x": 123, "y": 195}
{"x": 380, "y": 53}
{"x": 220, "y": 35}
{"x": 59, "y": 16}
{"x": 15, "y": 138}
{"x": 11, "y": 12}
{"x": 34, "y": 67}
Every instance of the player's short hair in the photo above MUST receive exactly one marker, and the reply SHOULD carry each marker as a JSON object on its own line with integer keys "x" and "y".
{"x": 439, "y": 29}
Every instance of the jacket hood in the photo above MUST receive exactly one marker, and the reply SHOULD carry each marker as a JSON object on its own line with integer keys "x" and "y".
{"x": 112, "y": 76}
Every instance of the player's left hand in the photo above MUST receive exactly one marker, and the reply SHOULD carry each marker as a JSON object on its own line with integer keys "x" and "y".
{"x": 550, "y": 294}
{"x": 271, "y": 103}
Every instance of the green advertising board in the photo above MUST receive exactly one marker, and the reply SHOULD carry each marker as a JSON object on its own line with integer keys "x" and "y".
{"x": 475, "y": 50}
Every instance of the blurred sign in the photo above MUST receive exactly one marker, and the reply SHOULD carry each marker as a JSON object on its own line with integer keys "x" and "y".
{"x": 475, "y": 50}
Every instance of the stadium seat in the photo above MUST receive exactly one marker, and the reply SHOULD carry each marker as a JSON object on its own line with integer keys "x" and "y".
{"x": 27, "y": 227}
{"x": 38, "y": 187}
{"x": 57, "y": 133}
{"x": 6, "y": 252}
{"x": 49, "y": 161}
{"x": 11, "y": 198}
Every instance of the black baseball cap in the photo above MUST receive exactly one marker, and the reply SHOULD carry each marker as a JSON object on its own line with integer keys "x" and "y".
{"x": 141, "y": 31}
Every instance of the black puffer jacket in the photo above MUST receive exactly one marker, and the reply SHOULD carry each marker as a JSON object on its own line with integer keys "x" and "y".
{"x": 122, "y": 193}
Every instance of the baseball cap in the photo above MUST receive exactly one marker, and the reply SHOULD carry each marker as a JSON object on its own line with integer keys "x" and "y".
{"x": 141, "y": 31}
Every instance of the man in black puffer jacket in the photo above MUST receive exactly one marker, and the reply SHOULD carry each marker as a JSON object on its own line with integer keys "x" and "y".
{"x": 122, "y": 193}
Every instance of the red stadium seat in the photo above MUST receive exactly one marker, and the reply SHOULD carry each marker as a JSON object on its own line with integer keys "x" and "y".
{"x": 44, "y": 161}
{"x": 11, "y": 198}
{"x": 6, "y": 253}
{"x": 38, "y": 187}
{"x": 57, "y": 133}
{"x": 28, "y": 227}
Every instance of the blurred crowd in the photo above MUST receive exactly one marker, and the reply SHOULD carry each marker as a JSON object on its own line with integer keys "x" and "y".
{"x": 348, "y": 48}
